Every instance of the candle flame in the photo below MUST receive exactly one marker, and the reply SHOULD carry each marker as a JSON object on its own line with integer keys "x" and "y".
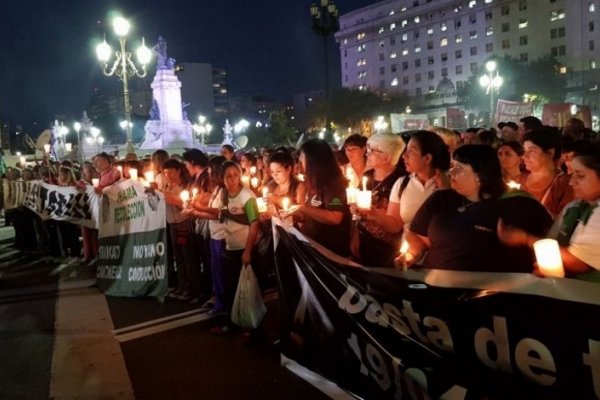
{"x": 404, "y": 247}
{"x": 514, "y": 185}
{"x": 364, "y": 183}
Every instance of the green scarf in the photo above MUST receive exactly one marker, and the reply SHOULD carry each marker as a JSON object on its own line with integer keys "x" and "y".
{"x": 580, "y": 212}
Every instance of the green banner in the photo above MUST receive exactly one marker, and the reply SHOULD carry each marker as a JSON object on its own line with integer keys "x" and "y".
{"x": 133, "y": 265}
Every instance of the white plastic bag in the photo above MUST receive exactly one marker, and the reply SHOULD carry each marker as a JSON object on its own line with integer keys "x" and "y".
{"x": 248, "y": 306}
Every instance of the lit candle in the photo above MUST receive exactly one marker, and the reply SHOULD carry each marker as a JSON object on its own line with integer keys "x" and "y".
{"x": 95, "y": 182}
{"x": 253, "y": 170}
{"x": 363, "y": 199}
{"x": 47, "y": 148}
{"x": 245, "y": 180}
{"x": 133, "y": 174}
{"x": 149, "y": 176}
{"x": 23, "y": 161}
{"x": 194, "y": 192}
{"x": 364, "y": 183}
{"x": 513, "y": 185}
{"x": 351, "y": 193}
{"x": 404, "y": 247}
{"x": 68, "y": 147}
{"x": 261, "y": 204}
{"x": 185, "y": 197}
{"x": 547, "y": 253}
{"x": 300, "y": 177}
{"x": 285, "y": 203}
{"x": 265, "y": 191}
{"x": 254, "y": 182}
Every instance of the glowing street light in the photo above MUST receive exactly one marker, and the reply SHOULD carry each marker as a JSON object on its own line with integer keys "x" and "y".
{"x": 491, "y": 83}
{"x": 379, "y": 124}
{"x": 123, "y": 67}
{"x": 241, "y": 126}
{"x": 202, "y": 128}
{"x": 95, "y": 138}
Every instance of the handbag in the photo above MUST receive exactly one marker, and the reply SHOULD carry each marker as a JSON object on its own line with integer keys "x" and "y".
{"x": 248, "y": 306}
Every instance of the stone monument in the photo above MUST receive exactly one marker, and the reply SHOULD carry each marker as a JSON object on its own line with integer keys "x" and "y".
{"x": 168, "y": 127}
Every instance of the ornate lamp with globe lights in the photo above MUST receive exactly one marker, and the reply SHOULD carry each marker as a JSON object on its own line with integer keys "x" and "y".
{"x": 491, "y": 82}
{"x": 325, "y": 22}
{"x": 202, "y": 128}
{"x": 124, "y": 67}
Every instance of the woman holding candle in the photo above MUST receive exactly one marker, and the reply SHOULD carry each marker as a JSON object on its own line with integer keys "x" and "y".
{"x": 355, "y": 147}
{"x": 577, "y": 227}
{"x": 545, "y": 181}
{"x": 371, "y": 244}
{"x": 427, "y": 161}
{"x": 324, "y": 216}
{"x": 241, "y": 222}
{"x": 456, "y": 228}
{"x": 180, "y": 230}
{"x": 510, "y": 155}
{"x": 158, "y": 159}
{"x": 283, "y": 183}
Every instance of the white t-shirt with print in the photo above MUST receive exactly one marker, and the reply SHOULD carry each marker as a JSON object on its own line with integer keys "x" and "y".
{"x": 236, "y": 234}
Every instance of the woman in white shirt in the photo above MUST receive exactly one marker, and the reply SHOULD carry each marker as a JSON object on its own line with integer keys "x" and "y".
{"x": 426, "y": 159}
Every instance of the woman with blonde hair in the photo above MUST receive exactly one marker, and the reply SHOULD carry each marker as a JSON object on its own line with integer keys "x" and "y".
{"x": 451, "y": 138}
{"x": 370, "y": 243}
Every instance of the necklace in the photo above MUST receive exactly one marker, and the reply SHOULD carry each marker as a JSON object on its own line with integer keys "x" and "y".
{"x": 464, "y": 206}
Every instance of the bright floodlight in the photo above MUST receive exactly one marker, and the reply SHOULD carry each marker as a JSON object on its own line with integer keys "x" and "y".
{"x": 77, "y": 126}
{"x": 490, "y": 66}
{"x": 144, "y": 54}
{"x": 202, "y": 119}
{"x": 121, "y": 26}
{"x": 103, "y": 51}
{"x": 63, "y": 130}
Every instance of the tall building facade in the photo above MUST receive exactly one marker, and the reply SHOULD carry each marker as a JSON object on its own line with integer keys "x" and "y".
{"x": 415, "y": 46}
{"x": 204, "y": 87}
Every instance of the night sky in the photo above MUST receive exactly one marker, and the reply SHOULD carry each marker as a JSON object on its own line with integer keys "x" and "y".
{"x": 49, "y": 67}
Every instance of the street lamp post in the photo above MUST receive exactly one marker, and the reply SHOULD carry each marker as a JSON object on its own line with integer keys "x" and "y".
{"x": 124, "y": 67}
{"x": 491, "y": 82}
{"x": 325, "y": 22}
{"x": 95, "y": 138}
{"x": 202, "y": 128}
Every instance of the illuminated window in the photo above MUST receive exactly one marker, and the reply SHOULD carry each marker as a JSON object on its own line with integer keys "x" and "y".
{"x": 381, "y": 30}
{"x": 393, "y": 54}
{"x": 473, "y": 34}
{"x": 394, "y": 82}
{"x": 405, "y": 52}
{"x": 522, "y": 23}
{"x": 392, "y": 12}
{"x": 430, "y": 31}
{"x": 392, "y": 26}
{"x": 557, "y": 14}
{"x": 360, "y": 36}
{"x": 417, "y": 49}
{"x": 472, "y": 3}
{"x": 404, "y": 37}
{"x": 592, "y": 64}
{"x": 563, "y": 70}
{"x": 458, "y": 38}
{"x": 417, "y": 19}
{"x": 404, "y": 22}
{"x": 362, "y": 74}
{"x": 345, "y": 40}
{"x": 489, "y": 31}
{"x": 443, "y": 27}
{"x": 444, "y": 42}
{"x": 591, "y": 7}
{"x": 488, "y": 1}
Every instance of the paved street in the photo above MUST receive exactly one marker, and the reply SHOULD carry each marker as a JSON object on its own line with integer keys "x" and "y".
{"x": 61, "y": 338}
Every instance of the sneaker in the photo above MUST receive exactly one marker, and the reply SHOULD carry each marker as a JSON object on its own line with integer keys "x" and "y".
{"x": 184, "y": 297}
{"x": 220, "y": 330}
{"x": 213, "y": 312}
{"x": 194, "y": 300}
{"x": 210, "y": 303}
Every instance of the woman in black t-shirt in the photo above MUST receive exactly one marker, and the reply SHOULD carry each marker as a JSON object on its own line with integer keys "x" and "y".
{"x": 457, "y": 227}
{"x": 324, "y": 217}
{"x": 370, "y": 243}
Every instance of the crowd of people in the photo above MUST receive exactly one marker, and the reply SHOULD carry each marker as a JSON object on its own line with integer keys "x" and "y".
{"x": 475, "y": 200}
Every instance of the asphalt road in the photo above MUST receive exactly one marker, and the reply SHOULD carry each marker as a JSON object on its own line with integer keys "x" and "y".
{"x": 61, "y": 338}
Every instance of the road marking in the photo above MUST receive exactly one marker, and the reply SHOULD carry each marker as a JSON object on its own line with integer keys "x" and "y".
{"x": 151, "y": 330}
{"x": 87, "y": 362}
{"x": 174, "y": 321}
